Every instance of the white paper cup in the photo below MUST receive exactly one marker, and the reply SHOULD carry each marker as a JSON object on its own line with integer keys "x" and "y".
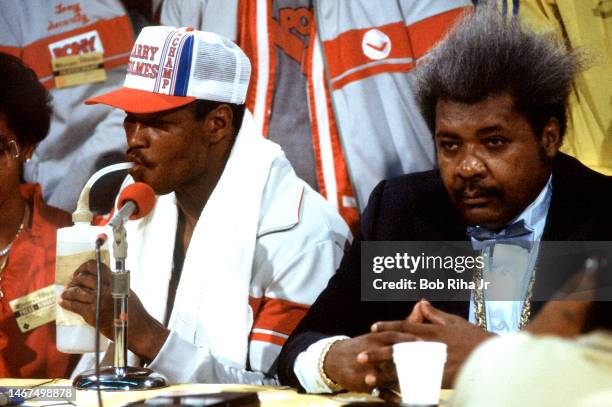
{"x": 419, "y": 367}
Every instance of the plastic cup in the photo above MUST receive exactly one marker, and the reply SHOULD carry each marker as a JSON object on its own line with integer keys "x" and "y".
{"x": 420, "y": 366}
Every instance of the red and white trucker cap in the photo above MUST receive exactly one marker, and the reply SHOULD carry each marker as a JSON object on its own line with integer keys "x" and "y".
{"x": 170, "y": 67}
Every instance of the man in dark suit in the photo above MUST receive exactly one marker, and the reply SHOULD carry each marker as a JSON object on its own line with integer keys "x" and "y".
{"x": 495, "y": 97}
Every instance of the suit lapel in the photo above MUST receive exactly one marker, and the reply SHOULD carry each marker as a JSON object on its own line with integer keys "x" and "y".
{"x": 568, "y": 219}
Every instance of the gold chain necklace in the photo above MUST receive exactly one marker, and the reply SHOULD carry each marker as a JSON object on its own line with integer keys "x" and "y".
{"x": 480, "y": 306}
{"x": 4, "y": 252}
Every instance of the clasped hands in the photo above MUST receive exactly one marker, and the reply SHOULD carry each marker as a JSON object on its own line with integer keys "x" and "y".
{"x": 364, "y": 362}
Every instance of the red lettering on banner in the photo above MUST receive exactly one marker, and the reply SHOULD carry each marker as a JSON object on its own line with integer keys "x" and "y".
{"x": 153, "y": 51}
{"x": 172, "y": 52}
{"x": 291, "y": 31}
{"x": 143, "y": 69}
{"x": 89, "y": 44}
{"x": 135, "y": 53}
{"x": 74, "y": 48}
{"x": 141, "y": 51}
{"x": 167, "y": 73}
{"x": 75, "y": 8}
{"x": 298, "y": 19}
{"x": 140, "y": 68}
{"x": 77, "y": 16}
{"x": 147, "y": 70}
{"x": 165, "y": 83}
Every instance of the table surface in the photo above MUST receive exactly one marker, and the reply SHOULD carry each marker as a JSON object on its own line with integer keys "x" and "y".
{"x": 269, "y": 396}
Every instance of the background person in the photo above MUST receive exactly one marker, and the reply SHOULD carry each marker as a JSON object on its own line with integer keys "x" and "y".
{"x": 49, "y": 34}
{"x": 27, "y": 233}
{"x": 549, "y": 370}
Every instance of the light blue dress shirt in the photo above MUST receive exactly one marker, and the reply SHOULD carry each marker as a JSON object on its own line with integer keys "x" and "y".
{"x": 504, "y": 316}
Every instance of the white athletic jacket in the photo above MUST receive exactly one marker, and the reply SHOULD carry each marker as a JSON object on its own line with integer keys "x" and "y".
{"x": 263, "y": 249}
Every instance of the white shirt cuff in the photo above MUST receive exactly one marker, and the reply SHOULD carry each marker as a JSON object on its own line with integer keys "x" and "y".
{"x": 306, "y": 366}
{"x": 177, "y": 359}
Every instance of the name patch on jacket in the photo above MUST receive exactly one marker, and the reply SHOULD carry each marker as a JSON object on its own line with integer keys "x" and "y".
{"x": 77, "y": 60}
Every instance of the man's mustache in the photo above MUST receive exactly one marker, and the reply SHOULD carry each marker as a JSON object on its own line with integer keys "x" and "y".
{"x": 474, "y": 189}
{"x": 134, "y": 155}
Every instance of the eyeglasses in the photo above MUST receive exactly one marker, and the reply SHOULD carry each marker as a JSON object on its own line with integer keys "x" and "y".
{"x": 9, "y": 149}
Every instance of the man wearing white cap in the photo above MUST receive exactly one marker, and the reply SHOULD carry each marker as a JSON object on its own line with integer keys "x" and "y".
{"x": 237, "y": 246}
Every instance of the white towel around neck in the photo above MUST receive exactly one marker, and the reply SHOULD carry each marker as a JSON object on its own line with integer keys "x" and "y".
{"x": 211, "y": 306}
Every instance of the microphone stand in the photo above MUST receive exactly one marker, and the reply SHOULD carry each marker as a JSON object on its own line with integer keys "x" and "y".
{"x": 120, "y": 376}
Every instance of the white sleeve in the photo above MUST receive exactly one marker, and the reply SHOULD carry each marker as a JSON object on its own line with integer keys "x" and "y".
{"x": 291, "y": 267}
{"x": 181, "y": 361}
{"x": 306, "y": 366}
{"x": 282, "y": 303}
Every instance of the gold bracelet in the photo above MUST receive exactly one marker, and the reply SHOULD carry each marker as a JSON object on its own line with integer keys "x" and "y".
{"x": 335, "y": 387}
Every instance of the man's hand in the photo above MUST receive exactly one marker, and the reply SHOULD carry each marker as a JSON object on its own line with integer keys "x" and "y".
{"x": 146, "y": 335}
{"x": 430, "y": 324}
{"x": 348, "y": 365}
{"x": 565, "y": 315}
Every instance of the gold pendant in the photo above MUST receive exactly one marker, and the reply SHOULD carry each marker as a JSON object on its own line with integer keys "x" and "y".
{"x": 480, "y": 303}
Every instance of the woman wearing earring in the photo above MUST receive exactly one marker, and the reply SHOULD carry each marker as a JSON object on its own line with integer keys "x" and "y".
{"x": 27, "y": 233}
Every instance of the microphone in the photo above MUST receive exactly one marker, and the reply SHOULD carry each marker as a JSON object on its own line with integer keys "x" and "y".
{"x": 101, "y": 239}
{"x": 135, "y": 202}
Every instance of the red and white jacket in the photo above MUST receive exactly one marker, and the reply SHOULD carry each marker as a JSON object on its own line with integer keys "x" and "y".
{"x": 365, "y": 123}
{"x": 263, "y": 249}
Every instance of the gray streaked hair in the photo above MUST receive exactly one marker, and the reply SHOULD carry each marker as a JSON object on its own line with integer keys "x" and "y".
{"x": 487, "y": 54}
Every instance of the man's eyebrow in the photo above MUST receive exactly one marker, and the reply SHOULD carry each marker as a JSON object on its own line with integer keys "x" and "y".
{"x": 142, "y": 116}
{"x": 447, "y": 134}
{"x": 488, "y": 130}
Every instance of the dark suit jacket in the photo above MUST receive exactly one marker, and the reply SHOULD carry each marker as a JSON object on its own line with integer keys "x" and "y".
{"x": 416, "y": 207}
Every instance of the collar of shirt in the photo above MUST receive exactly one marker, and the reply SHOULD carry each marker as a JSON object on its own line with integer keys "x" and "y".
{"x": 535, "y": 214}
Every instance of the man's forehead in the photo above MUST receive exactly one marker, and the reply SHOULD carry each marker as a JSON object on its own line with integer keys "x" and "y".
{"x": 502, "y": 100}
{"x": 490, "y": 112}
{"x": 164, "y": 113}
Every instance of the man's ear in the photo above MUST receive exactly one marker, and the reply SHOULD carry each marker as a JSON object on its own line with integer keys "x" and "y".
{"x": 551, "y": 138}
{"x": 219, "y": 123}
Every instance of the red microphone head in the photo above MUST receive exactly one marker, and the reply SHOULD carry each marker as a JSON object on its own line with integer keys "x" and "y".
{"x": 142, "y": 195}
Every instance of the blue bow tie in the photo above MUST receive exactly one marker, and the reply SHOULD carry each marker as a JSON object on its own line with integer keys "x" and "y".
{"x": 517, "y": 233}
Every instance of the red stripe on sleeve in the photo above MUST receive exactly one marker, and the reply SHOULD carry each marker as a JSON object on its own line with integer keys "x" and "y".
{"x": 277, "y": 315}
{"x": 347, "y": 61}
{"x": 345, "y": 51}
{"x": 261, "y": 337}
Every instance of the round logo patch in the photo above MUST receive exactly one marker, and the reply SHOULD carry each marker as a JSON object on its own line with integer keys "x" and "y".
{"x": 376, "y": 44}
